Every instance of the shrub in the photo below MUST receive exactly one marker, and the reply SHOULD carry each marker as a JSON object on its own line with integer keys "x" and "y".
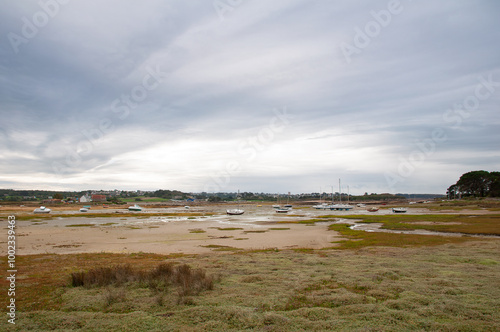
{"x": 189, "y": 281}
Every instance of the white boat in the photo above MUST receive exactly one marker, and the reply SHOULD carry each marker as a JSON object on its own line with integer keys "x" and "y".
{"x": 84, "y": 209}
{"x": 135, "y": 207}
{"x": 276, "y": 206}
{"x": 340, "y": 207}
{"x": 235, "y": 212}
{"x": 322, "y": 206}
{"x": 282, "y": 210}
{"x": 399, "y": 210}
{"x": 42, "y": 209}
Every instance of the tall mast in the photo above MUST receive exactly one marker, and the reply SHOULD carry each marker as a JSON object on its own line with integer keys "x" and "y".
{"x": 340, "y": 193}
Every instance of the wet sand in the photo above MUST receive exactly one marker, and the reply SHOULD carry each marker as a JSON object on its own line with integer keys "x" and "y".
{"x": 258, "y": 228}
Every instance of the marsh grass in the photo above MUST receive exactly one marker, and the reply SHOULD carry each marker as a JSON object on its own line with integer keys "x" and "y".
{"x": 359, "y": 239}
{"x": 185, "y": 280}
{"x": 197, "y": 230}
{"x": 488, "y": 224}
{"x": 81, "y": 225}
{"x": 452, "y": 287}
{"x": 228, "y": 228}
{"x": 217, "y": 247}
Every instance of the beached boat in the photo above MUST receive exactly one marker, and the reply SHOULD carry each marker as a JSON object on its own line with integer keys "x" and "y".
{"x": 135, "y": 207}
{"x": 84, "y": 209}
{"x": 235, "y": 212}
{"x": 42, "y": 209}
{"x": 340, "y": 207}
{"x": 399, "y": 210}
{"x": 322, "y": 206}
{"x": 282, "y": 210}
{"x": 238, "y": 211}
{"x": 372, "y": 209}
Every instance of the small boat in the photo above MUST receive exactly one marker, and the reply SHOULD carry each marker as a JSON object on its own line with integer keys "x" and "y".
{"x": 399, "y": 210}
{"x": 282, "y": 210}
{"x": 42, "y": 209}
{"x": 322, "y": 206}
{"x": 83, "y": 209}
{"x": 186, "y": 207}
{"x": 288, "y": 206}
{"x": 235, "y": 212}
{"x": 135, "y": 207}
{"x": 341, "y": 207}
{"x": 372, "y": 209}
{"x": 276, "y": 206}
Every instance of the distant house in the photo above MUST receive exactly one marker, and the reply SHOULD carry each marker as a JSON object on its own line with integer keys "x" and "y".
{"x": 99, "y": 198}
{"x": 85, "y": 199}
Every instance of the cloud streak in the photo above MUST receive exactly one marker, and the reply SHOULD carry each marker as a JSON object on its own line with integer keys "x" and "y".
{"x": 166, "y": 95}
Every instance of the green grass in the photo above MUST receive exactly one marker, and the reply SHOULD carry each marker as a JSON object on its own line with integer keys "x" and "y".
{"x": 227, "y": 228}
{"x": 359, "y": 239}
{"x": 217, "y": 247}
{"x": 488, "y": 224}
{"x": 197, "y": 230}
{"x": 81, "y": 225}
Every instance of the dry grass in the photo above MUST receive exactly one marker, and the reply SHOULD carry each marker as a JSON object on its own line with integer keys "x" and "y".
{"x": 451, "y": 287}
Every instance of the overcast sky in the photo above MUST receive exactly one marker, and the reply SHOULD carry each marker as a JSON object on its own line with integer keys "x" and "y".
{"x": 263, "y": 96}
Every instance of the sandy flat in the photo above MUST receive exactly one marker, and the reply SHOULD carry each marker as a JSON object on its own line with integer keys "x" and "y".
{"x": 258, "y": 228}
{"x": 174, "y": 234}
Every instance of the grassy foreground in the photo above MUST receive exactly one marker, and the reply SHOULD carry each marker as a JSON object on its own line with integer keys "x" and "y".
{"x": 451, "y": 287}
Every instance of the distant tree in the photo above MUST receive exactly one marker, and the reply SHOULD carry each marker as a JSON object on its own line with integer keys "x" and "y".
{"x": 476, "y": 184}
{"x": 494, "y": 184}
{"x": 58, "y": 196}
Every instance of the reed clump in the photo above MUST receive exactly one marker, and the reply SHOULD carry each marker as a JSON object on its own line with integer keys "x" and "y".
{"x": 187, "y": 280}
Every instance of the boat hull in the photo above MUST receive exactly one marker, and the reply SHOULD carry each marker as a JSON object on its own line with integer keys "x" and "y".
{"x": 235, "y": 212}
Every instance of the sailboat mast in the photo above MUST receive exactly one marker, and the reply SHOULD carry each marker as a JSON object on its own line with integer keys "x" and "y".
{"x": 340, "y": 193}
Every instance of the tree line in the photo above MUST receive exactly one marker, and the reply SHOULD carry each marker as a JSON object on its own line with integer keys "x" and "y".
{"x": 476, "y": 184}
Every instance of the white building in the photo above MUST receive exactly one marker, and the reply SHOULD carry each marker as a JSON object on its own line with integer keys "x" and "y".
{"x": 85, "y": 199}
